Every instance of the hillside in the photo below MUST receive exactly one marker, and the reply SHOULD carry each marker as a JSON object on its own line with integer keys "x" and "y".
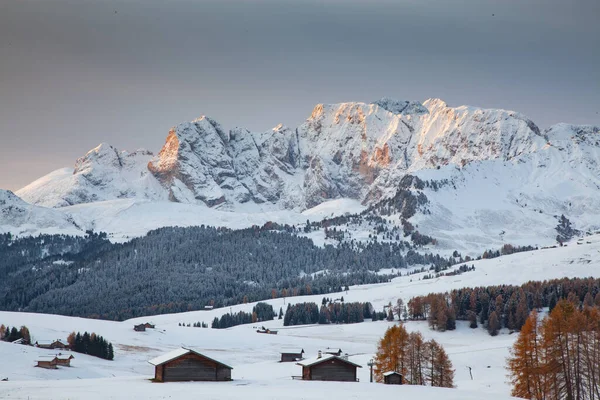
{"x": 254, "y": 357}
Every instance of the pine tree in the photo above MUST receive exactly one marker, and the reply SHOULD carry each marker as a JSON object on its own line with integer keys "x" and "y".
{"x": 111, "y": 354}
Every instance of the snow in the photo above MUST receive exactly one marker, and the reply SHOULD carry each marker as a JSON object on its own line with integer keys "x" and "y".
{"x": 169, "y": 356}
{"x": 255, "y": 358}
{"x": 318, "y": 360}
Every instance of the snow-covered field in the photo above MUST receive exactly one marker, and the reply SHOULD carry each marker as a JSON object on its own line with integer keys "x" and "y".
{"x": 254, "y": 357}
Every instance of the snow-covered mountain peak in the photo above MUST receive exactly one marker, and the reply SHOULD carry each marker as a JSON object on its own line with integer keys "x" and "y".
{"x": 401, "y": 106}
{"x": 350, "y": 150}
{"x": 588, "y": 134}
{"x": 7, "y": 197}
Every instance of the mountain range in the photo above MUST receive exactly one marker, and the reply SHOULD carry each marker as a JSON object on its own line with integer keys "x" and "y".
{"x": 493, "y": 176}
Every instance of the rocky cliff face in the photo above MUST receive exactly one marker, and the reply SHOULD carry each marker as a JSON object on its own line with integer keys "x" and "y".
{"x": 348, "y": 150}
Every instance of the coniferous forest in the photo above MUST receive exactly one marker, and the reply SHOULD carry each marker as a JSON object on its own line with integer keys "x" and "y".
{"x": 181, "y": 269}
{"x": 92, "y": 344}
{"x": 497, "y": 307}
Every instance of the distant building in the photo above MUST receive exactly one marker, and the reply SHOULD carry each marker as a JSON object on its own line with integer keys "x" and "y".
{"x": 47, "y": 362}
{"x": 148, "y": 325}
{"x": 140, "y": 328}
{"x": 290, "y": 357}
{"x": 208, "y": 307}
{"x": 64, "y": 360}
{"x": 20, "y": 341}
{"x": 335, "y": 353}
{"x": 393, "y": 378}
{"x": 188, "y": 365}
{"x": 329, "y": 368}
{"x": 53, "y": 345}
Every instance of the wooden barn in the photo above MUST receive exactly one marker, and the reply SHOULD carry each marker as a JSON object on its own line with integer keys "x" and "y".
{"x": 47, "y": 363}
{"x": 188, "y": 365}
{"x": 290, "y": 357}
{"x": 329, "y": 368}
{"x": 53, "y": 344}
{"x": 64, "y": 360}
{"x": 148, "y": 325}
{"x": 337, "y": 352}
{"x": 392, "y": 378}
{"x": 140, "y": 328}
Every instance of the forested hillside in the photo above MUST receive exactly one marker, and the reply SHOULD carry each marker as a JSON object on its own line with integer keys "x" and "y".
{"x": 180, "y": 269}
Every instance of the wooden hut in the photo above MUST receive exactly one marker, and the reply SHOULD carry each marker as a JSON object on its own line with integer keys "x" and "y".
{"x": 189, "y": 365}
{"x": 140, "y": 328}
{"x": 329, "y": 368}
{"x": 64, "y": 360}
{"x": 53, "y": 344}
{"x": 47, "y": 363}
{"x": 148, "y": 325}
{"x": 289, "y": 357}
{"x": 392, "y": 378}
{"x": 337, "y": 352}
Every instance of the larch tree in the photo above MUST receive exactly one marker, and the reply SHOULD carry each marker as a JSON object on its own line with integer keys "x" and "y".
{"x": 493, "y": 324}
{"x": 525, "y": 363}
{"x": 391, "y": 352}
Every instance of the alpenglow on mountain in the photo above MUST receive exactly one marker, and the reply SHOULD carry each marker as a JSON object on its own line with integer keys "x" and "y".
{"x": 348, "y": 150}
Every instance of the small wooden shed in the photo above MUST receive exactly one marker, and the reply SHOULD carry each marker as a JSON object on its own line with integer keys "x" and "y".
{"x": 290, "y": 357}
{"x": 47, "y": 363}
{"x": 329, "y": 368}
{"x": 64, "y": 359}
{"x": 337, "y": 352}
{"x": 188, "y": 365}
{"x": 51, "y": 344}
{"x": 148, "y": 325}
{"x": 393, "y": 378}
{"x": 140, "y": 328}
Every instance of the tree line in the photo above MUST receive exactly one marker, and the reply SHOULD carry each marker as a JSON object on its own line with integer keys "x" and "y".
{"x": 260, "y": 312}
{"x": 503, "y": 306}
{"x": 92, "y": 344}
{"x": 559, "y": 356}
{"x": 420, "y": 362}
{"x": 330, "y": 312}
{"x": 8, "y": 334}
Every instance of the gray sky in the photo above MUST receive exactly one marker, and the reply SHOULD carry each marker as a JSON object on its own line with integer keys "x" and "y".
{"x": 74, "y": 73}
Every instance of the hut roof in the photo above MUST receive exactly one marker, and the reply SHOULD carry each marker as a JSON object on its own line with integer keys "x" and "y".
{"x": 49, "y": 342}
{"x": 293, "y": 352}
{"x": 391, "y": 373}
{"x": 314, "y": 361}
{"x": 165, "y": 358}
{"x": 65, "y": 356}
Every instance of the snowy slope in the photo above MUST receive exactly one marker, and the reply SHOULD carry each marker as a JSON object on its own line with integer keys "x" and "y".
{"x": 254, "y": 357}
{"x": 104, "y": 173}
{"x": 21, "y": 218}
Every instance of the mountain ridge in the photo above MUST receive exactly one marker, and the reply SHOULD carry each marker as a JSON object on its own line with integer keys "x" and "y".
{"x": 346, "y": 150}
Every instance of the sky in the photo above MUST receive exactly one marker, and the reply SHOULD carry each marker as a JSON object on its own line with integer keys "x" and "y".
{"x": 76, "y": 73}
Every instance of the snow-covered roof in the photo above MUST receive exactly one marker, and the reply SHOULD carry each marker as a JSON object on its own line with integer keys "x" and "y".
{"x": 179, "y": 353}
{"x": 65, "y": 356}
{"x": 49, "y": 342}
{"x": 314, "y": 361}
{"x": 391, "y": 373}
